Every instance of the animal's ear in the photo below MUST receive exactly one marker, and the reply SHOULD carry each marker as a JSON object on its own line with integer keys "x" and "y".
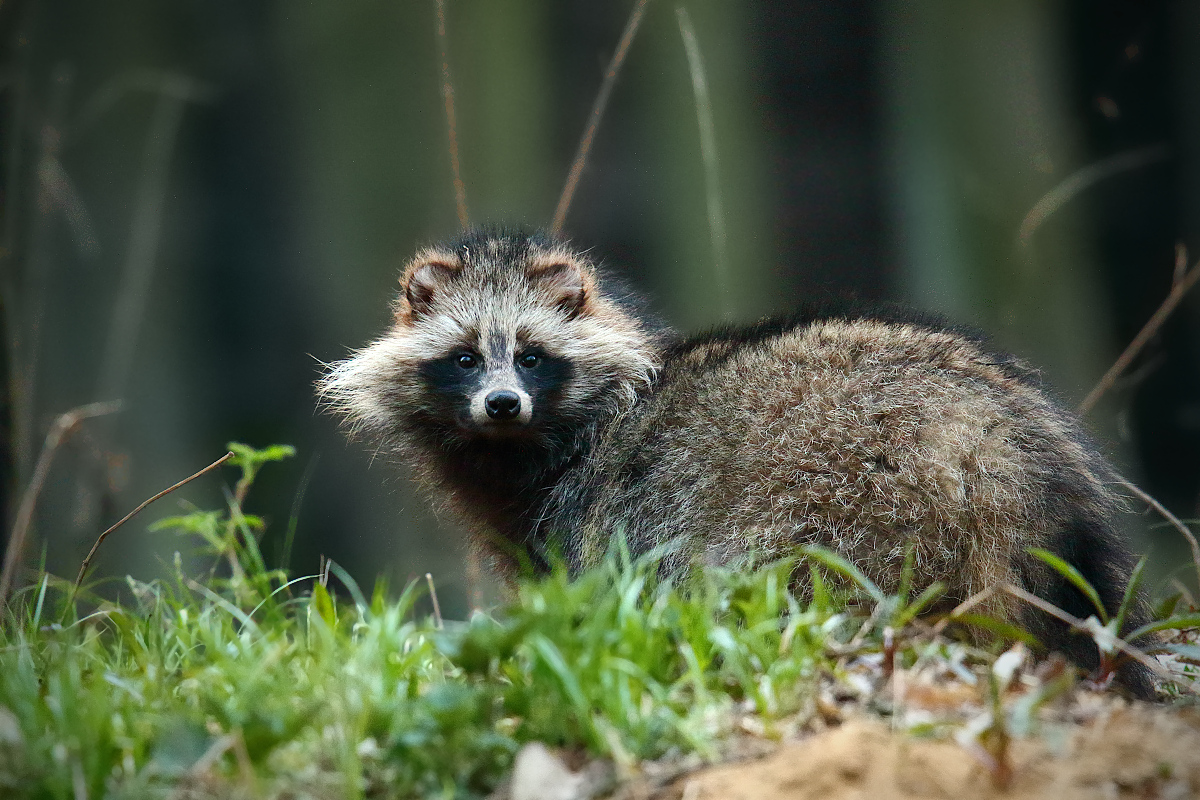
{"x": 423, "y": 281}
{"x": 567, "y": 284}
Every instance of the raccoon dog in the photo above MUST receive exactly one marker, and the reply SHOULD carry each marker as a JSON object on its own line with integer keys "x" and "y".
{"x": 549, "y": 415}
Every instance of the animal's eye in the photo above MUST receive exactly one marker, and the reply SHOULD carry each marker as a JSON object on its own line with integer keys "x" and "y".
{"x": 529, "y": 360}
{"x": 467, "y": 360}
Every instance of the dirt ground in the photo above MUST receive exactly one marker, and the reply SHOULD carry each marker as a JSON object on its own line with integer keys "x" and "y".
{"x": 1123, "y": 751}
{"x": 950, "y": 724}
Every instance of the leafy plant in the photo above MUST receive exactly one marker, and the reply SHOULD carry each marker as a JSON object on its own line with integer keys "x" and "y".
{"x": 1109, "y": 632}
{"x": 894, "y": 611}
{"x": 232, "y": 535}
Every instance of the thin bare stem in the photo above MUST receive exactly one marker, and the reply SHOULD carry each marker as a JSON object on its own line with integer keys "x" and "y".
{"x": 1147, "y": 332}
{"x": 62, "y": 428}
{"x": 589, "y": 134}
{"x": 460, "y": 188}
{"x": 437, "y": 609}
{"x": 1169, "y": 517}
{"x": 87, "y": 562}
{"x": 708, "y": 153}
{"x": 1078, "y": 624}
{"x": 1083, "y": 179}
{"x": 964, "y": 607}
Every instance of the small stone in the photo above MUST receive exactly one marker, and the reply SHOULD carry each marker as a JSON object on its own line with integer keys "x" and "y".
{"x": 539, "y": 774}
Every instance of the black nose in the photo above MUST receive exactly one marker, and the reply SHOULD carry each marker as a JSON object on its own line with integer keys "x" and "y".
{"x": 503, "y": 404}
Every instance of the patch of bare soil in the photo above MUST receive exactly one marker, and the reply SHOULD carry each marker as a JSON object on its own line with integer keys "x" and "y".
{"x": 1119, "y": 751}
{"x": 944, "y": 721}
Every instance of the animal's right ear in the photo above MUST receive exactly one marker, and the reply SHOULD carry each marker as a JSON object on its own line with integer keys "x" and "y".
{"x": 422, "y": 282}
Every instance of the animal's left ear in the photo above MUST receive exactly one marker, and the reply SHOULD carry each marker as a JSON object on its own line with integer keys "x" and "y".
{"x": 567, "y": 284}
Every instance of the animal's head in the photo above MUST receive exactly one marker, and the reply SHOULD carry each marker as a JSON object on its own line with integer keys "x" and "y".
{"x": 497, "y": 335}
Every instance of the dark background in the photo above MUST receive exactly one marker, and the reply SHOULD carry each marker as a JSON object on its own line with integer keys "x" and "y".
{"x": 203, "y": 200}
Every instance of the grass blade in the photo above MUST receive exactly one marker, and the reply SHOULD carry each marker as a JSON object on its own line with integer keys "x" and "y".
{"x": 1172, "y": 623}
{"x": 1069, "y": 572}
{"x": 840, "y": 565}
{"x": 1131, "y": 592}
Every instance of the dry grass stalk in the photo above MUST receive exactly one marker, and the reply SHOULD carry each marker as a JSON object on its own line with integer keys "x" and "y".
{"x": 589, "y": 134}
{"x": 1169, "y": 517}
{"x": 1083, "y": 179}
{"x": 1079, "y": 624}
{"x": 87, "y": 562}
{"x": 62, "y": 428}
{"x": 460, "y": 188}
{"x": 708, "y": 154}
{"x": 1180, "y": 288}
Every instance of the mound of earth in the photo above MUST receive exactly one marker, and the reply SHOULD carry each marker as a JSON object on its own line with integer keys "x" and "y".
{"x": 1134, "y": 751}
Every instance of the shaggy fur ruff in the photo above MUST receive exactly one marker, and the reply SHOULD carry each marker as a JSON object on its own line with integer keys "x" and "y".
{"x": 551, "y": 415}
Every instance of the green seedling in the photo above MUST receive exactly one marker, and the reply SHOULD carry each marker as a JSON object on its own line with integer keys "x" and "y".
{"x": 1110, "y": 633}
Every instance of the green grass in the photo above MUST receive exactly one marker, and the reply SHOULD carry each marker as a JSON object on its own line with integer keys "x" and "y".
{"x": 243, "y": 683}
{"x": 362, "y": 695}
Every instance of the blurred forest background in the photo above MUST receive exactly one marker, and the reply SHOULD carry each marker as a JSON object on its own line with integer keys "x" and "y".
{"x": 202, "y": 199}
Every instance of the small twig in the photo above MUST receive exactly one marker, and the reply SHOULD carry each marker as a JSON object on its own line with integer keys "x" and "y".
{"x": 1169, "y": 517}
{"x": 62, "y": 428}
{"x": 437, "y": 609}
{"x": 87, "y": 562}
{"x": 1078, "y": 624}
{"x": 460, "y": 188}
{"x": 1178, "y": 290}
{"x": 708, "y": 154}
{"x": 589, "y": 134}
{"x": 964, "y": 607}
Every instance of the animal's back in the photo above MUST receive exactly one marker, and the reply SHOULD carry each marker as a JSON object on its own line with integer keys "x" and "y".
{"x": 861, "y": 435}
